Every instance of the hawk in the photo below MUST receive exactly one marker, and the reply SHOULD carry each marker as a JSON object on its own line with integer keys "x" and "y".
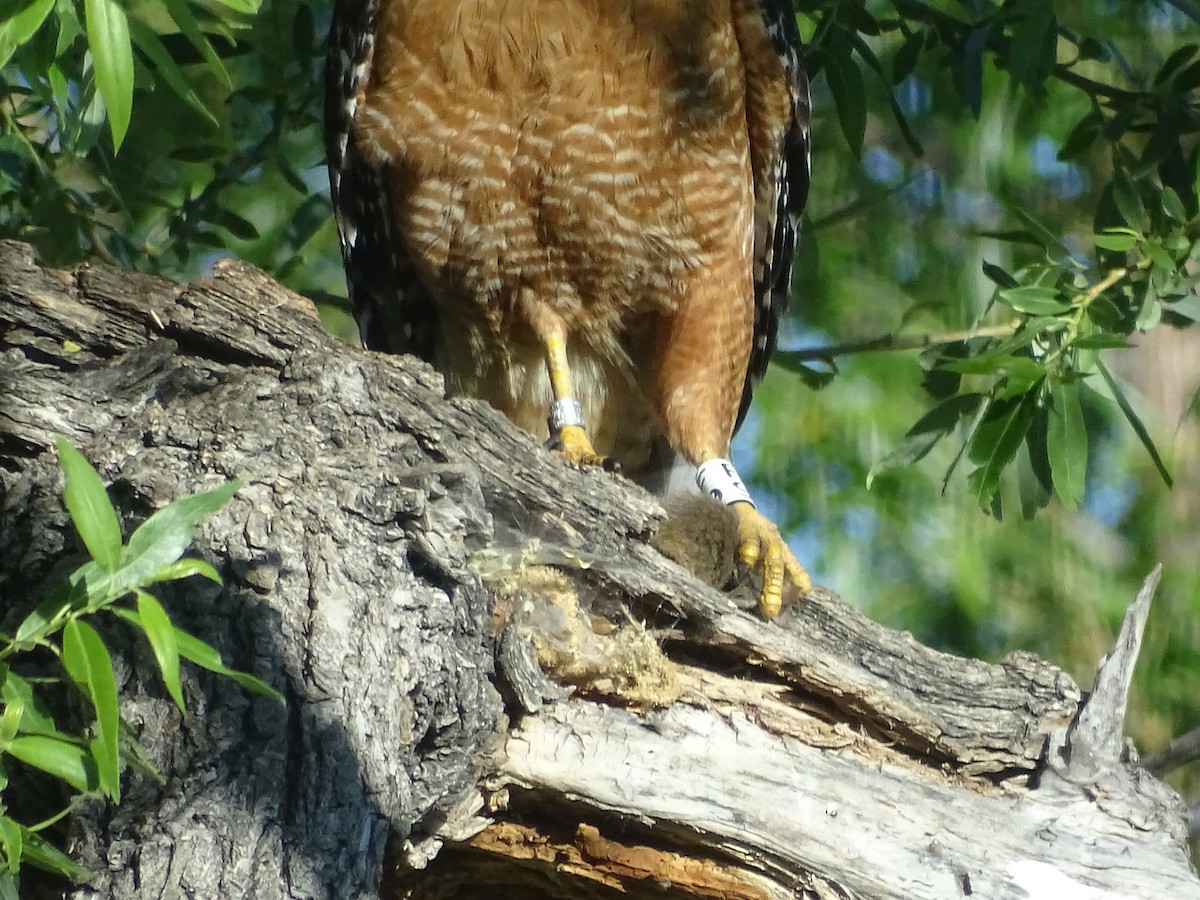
{"x": 582, "y": 211}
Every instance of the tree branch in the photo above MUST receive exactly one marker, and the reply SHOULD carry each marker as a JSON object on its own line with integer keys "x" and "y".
{"x": 486, "y": 660}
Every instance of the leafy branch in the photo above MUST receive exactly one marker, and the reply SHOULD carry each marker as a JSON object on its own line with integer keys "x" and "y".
{"x": 90, "y": 763}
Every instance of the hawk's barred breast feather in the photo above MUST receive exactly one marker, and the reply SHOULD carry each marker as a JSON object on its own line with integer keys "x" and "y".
{"x": 591, "y": 201}
{"x": 636, "y": 165}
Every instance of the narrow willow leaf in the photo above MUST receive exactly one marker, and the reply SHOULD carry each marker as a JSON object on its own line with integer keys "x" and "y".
{"x": 1113, "y": 240}
{"x": 10, "y": 720}
{"x": 1034, "y": 299}
{"x": 46, "y": 856}
{"x": 970, "y": 73}
{"x": 195, "y": 650}
{"x": 249, "y": 7}
{"x": 995, "y": 442}
{"x": 1173, "y": 206}
{"x": 925, "y": 434}
{"x": 163, "y": 537}
{"x": 87, "y": 661}
{"x": 16, "y": 29}
{"x": 1082, "y": 136}
{"x": 150, "y": 44}
{"x": 161, "y": 635}
{"x": 62, "y": 759}
{"x": 34, "y": 717}
{"x": 1101, "y": 341}
{"x": 1034, "y": 38}
{"x": 846, "y": 85}
{"x": 1136, "y": 423}
{"x": 1128, "y": 203}
{"x": 112, "y": 59}
{"x": 183, "y": 17}
{"x": 1044, "y": 235}
{"x": 89, "y": 506}
{"x": 13, "y": 842}
{"x": 905, "y": 60}
{"x": 1067, "y": 444}
{"x": 184, "y": 568}
{"x": 998, "y": 276}
{"x": 1150, "y": 314}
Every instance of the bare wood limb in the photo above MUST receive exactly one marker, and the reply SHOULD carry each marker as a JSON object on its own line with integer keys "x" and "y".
{"x": 1181, "y": 751}
{"x": 485, "y": 659}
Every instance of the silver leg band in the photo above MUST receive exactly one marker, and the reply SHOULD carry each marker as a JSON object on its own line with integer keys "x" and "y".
{"x": 719, "y": 479}
{"x": 564, "y": 413}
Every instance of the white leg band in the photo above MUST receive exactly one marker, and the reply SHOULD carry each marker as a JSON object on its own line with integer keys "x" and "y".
{"x": 719, "y": 479}
{"x": 563, "y": 413}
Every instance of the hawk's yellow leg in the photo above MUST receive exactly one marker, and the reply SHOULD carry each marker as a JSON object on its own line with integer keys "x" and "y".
{"x": 572, "y": 439}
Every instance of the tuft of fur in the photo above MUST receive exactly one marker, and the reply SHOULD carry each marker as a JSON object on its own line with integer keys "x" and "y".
{"x": 700, "y": 534}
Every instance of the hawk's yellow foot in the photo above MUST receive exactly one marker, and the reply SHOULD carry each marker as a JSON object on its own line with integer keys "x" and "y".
{"x": 761, "y": 548}
{"x": 573, "y": 444}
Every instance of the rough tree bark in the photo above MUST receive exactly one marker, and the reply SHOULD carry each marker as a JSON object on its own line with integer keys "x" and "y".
{"x": 494, "y": 684}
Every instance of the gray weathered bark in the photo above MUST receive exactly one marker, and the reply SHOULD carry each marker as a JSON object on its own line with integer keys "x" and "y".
{"x": 484, "y": 658}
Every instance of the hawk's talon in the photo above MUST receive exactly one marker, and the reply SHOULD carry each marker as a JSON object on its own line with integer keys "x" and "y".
{"x": 762, "y": 549}
{"x": 573, "y": 445}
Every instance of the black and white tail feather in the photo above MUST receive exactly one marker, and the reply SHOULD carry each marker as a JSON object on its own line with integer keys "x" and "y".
{"x": 392, "y": 308}
{"x": 780, "y": 197}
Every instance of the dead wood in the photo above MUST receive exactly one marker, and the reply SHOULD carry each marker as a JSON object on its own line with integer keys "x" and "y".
{"x": 494, "y": 683}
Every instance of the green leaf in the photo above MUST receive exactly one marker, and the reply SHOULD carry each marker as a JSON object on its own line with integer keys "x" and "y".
{"x": 190, "y": 28}
{"x": 1158, "y": 255}
{"x": 148, "y": 42}
{"x": 18, "y": 28}
{"x": 996, "y": 440}
{"x": 1101, "y": 341}
{"x": 161, "y": 635}
{"x": 846, "y": 85}
{"x": 1114, "y": 240}
{"x": 812, "y": 376}
{"x": 10, "y": 720}
{"x": 87, "y": 502}
{"x": 998, "y": 276}
{"x": 249, "y": 7}
{"x": 12, "y": 842}
{"x": 906, "y": 57}
{"x": 1173, "y": 206}
{"x": 1176, "y": 61}
{"x": 183, "y": 569}
{"x": 1128, "y": 203}
{"x": 929, "y": 429}
{"x": 34, "y": 717}
{"x": 62, "y": 759}
{"x": 162, "y": 538}
{"x": 1082, "y": 136}
{"x": 236, "y": 225}
{"x": 1034, "y": 38}
{"x": 9, "y": 887}
{"x": 69, "y": 26}
{"x": 112, "y": 58}
{"x": 1136, "y": 423}
{"x": 87, "y": 661}
{"x": 1044, "y": 235}
{"x": 971, "y": 69}
{"x": 1067, "y": 444}
{"x": 49, "y": 858}
{"x": 1035, "y": 300}
{"x": 195, "y": 650}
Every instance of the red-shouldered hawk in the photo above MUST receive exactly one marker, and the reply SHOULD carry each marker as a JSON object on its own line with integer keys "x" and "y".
{"x": 582, "y": 209}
